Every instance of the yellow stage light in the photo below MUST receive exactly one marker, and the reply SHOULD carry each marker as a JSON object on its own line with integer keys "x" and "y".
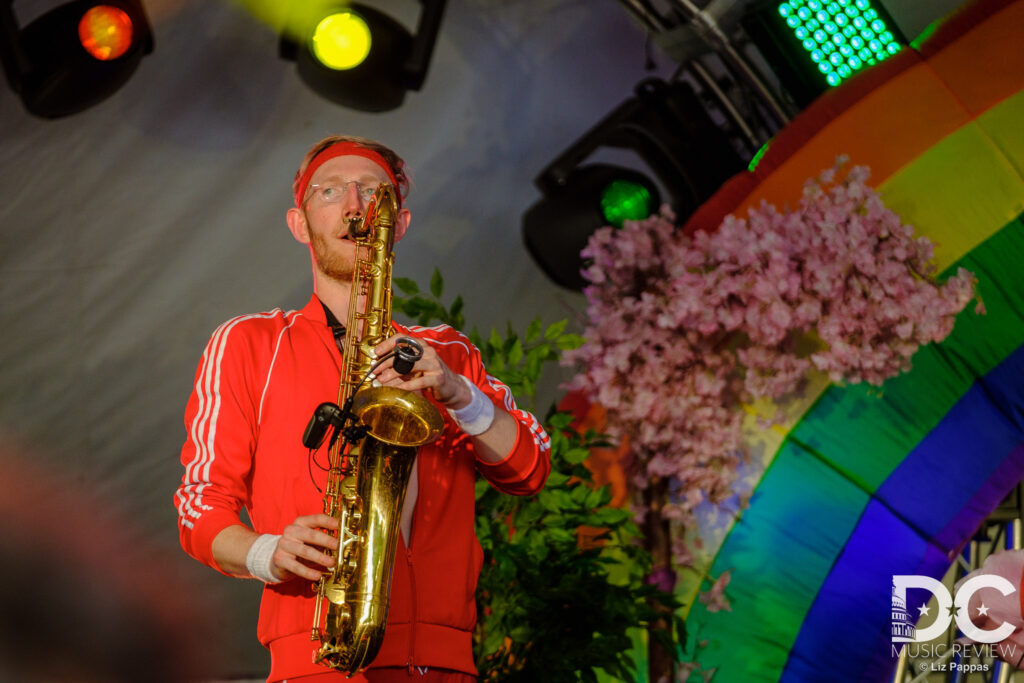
{"x": 341, "y": 41}
{"x": 356, "y": 55}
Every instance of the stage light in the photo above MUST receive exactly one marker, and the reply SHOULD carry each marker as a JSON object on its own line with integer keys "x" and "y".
{"x": 627, "y": 200}
{"x": 341, "y": 40}
{"x": 668, "y": 128}
{"x": 557, "y": 227}
{"x": 813, "y": 45}
{"x": 105, "y": 32}
{"x": 75, "y": 55}
{"x": 357, "y": 56}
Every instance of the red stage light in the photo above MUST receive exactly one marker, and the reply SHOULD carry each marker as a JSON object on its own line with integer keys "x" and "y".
{"x": 105, "y": 32}
{"x": 75, "y": 55}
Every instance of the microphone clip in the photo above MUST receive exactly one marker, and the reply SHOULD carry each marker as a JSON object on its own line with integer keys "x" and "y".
{"x": 326, "y": 416}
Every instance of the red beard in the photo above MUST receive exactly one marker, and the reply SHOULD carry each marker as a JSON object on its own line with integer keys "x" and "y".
{"x": 335, "y": 261}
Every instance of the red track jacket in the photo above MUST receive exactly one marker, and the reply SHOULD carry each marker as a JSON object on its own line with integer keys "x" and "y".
{"x": 256, "y": 387}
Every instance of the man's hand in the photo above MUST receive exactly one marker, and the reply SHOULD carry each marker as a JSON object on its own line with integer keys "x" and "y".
{"x": 299, "y": 550}
{"x": 429, "y": 372}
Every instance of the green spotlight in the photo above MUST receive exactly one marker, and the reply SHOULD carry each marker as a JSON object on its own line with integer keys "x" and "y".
{"x": 625, "y": 200}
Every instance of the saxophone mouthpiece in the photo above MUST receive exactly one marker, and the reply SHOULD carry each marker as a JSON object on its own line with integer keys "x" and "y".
{"x": 358, "y": 227}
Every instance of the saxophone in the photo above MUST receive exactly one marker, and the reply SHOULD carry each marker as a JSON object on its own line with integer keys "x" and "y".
{"x": 369, "y": 469}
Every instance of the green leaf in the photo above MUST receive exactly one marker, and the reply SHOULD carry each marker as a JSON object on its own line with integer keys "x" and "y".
{"x": 527, "y": 515}
{"x": 482, "y": 487}
{"x": 533, "y": 331}
{"x": 554, "y": 520}
{"x": 534, "y": 362}
{"x": 562, "y": 535}
{"x": 580, "y": 494}
{"x": 576, "y": 455}
{"x": 411, "y": 307}
{"x": 455, "y": 313}
{"x": 436, "y": 283}
{"x": 555, "y": 329}
{"x": 515, "y": 354}
{"x": 610, "y": 516}
{"x": 680, "y": 628}
{"x": 506, "y": 347}
{"x": 406, "y": 285}
{"x": 520, "y": 634}
{"x": 547, "y": 499}
{"x": 495, "y": 342}
{"x": 494, "y": 640}
{"x": 563, "y": 498}
{"x": 496, "y": 364}
{"x": 569, "y": 341}
{"x": 559, "y": 421}
{"x": 597, "y": 497}
{"x": 527, "y": 388}
{"x": 556, "y": 479}
{"x": 538, "y": 548}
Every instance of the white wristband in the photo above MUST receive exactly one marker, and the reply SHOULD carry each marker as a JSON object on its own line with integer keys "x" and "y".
{"x": 475, "y": 417}
{"x": 259, "y": 557}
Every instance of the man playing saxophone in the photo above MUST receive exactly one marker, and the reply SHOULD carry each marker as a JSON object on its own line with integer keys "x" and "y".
{"x": 260, "y": 379}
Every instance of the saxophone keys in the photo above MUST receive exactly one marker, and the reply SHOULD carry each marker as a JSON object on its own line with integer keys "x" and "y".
{"x": 335, "y": 594}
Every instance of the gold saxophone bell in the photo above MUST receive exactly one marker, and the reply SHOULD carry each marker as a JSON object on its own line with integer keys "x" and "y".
{"x": 397, "y": 417}
{"x": 366, "y": 483}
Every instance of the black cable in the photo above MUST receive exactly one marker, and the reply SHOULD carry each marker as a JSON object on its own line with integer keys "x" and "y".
{"x": 346, "y": 415}
{"x": 310, "y": 459}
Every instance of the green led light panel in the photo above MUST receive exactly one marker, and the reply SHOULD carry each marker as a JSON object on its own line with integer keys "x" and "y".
{"x": 840, "y": 36}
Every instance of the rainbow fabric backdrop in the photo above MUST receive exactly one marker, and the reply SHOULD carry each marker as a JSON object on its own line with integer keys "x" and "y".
{"x": 862, "y": 484}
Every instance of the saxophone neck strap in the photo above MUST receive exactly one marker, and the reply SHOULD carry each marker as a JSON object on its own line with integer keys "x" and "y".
{"x": 337, "y": 329}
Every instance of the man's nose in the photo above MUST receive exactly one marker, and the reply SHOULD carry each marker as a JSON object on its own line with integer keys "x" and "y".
{"x": 352, "y": 203}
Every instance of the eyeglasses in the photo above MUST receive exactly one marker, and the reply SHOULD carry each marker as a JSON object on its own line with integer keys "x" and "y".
{"x": 335, "y": 192}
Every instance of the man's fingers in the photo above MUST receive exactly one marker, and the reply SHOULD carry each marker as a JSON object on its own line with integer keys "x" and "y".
{"x": 318, "y": 520}
{"x": 385, "y": 346}
{"x": 415, "y": 383}
{"x": 309, "y": 536}
{"x": 300, "y": 551}
{"x": 299, "y": 558}
{"x": 305, "y": 551}
{"x": 391, "y": 378}
{"x": 288, "y": 549}
{"x": 288, "y": 564}
{"x": 425, "y": 367}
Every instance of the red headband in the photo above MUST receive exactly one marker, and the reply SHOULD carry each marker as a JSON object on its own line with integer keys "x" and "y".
{"x": 341, "y": 149}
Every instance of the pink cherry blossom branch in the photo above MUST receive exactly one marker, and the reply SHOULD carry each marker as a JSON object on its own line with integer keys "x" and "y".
{"x": 682, "y": 331}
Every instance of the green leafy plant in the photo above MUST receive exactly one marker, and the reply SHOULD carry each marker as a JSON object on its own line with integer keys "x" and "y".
{"x": 516, "y": 360}
{"x": 551, "y": 607}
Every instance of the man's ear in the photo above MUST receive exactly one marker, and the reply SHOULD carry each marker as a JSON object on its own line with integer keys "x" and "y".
{"x": 297, "y": 225}
{"x": 402, "y": 223}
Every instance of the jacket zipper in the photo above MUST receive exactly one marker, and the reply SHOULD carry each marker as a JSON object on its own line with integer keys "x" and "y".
{"x": 412, "y": 574}
{"x": 412, "y": 625}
